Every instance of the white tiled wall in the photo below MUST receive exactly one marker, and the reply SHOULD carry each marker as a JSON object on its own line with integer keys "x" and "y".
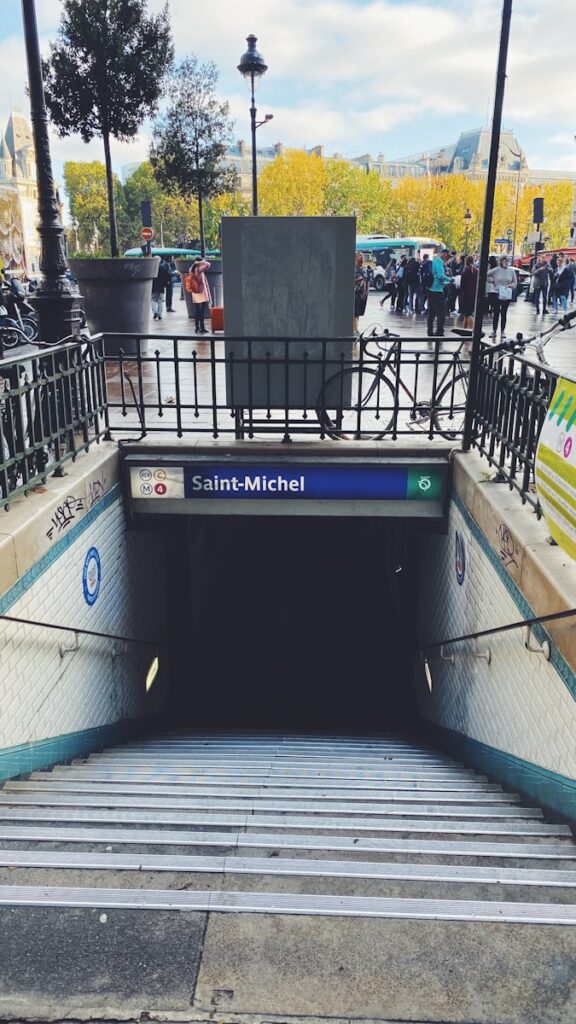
{"x": 518, "y": 702}
{"x": 43, "y": 694}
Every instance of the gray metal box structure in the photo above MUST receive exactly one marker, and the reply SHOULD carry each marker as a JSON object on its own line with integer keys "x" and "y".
{"x": 286, "y": 277}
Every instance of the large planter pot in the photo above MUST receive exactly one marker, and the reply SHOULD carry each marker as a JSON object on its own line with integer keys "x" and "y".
{"x": 117, "y": 297}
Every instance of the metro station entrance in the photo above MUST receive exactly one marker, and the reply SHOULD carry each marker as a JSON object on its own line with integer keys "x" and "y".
{"x": 292, "y": 623}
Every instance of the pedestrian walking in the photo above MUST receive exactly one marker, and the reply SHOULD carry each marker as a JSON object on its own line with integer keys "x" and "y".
{"x": 170, "y": 285}
{"x": 390, "y": 283}
{"x": 505, "y": 281}
{"x": 361, "y": 285}
{"x": 158, "y": 288}
{"x": 435, "y": 292}
{"x": 402, "y": 285}
{"x": 491, "y": 290}
{"x": 468, "y": 288}
{"x": 563, "y": 280}
{"x": 540, "y": 281}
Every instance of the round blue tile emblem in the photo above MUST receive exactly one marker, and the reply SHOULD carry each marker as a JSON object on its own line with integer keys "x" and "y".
{"x": 91, "y": 576}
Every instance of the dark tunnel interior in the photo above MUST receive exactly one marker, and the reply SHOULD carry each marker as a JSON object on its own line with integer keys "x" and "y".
{"x": 292, "y": 623}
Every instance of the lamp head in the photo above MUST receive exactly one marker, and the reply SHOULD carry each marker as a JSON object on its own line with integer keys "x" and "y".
{"x": 252, "y": 65}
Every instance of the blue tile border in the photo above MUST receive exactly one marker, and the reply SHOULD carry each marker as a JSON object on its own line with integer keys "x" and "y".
{"x": 15, "y": 592}
{"x": 562, "y": 667}
{"x": 556, "y": 793}
{"x": 29, "y": 757}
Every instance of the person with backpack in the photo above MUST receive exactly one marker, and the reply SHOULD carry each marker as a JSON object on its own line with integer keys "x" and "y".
{"x": 434, "y": 282}
{"x": 196, "y": 283}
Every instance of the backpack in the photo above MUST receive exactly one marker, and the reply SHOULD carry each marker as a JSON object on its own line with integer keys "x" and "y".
{"x": 427, "y": 274}
{"x": 191, "y": 283}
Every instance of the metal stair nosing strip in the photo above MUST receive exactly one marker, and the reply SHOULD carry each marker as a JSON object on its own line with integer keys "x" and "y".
{"x": 203, "y": 785}
{"x": 149, "y": 788}
{"x": 301, "y": 867}
{"x": 290, "y": 822}
{"x": 281, "y": 750}
{"x": 304, "y": 760}
{"x": 262, "y": 805}
{"x": 437, "y": 777}
{"x": 282, "y": 903}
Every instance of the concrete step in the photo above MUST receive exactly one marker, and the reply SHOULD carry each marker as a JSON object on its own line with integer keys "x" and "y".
{"x": 456, "y": 808}
{"x": 222, "y": 902}
{"x": 265, "y": 780}
{"x": 558, "y": 854}
{"x": 374, "y": 825}
{"x": 259, "y": 773}
{"x": 409, "y": 792}
{"x": 287, "y": 875}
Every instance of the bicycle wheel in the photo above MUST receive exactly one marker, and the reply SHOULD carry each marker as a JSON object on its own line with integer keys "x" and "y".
{"x": 356, "y": 405}
{"x": 450, "y": 408}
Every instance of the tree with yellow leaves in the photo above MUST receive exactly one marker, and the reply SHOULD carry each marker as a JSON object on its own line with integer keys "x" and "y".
{"x": 293, "y": 185}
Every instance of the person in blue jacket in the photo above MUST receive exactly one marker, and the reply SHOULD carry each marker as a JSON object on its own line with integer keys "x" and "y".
{"x": 436, "y": 298}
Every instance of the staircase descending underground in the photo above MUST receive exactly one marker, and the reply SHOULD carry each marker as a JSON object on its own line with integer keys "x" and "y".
{"x": 258, "y": 877}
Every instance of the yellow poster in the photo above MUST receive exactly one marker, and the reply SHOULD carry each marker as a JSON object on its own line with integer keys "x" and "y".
{"x": 555, "y": 468}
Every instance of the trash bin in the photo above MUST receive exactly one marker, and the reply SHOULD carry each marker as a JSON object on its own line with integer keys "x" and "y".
{"x": 215, "y": 280}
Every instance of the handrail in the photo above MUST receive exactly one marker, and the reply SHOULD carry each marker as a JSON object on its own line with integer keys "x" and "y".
{"x": 85, "y": 632}
{"x": 498, "y": 629}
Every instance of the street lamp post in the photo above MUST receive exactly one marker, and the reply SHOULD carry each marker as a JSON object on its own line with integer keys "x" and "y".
{"x": 467, "y": 219}
{"x": 252, "y": 67}
{"x": 54, "y": 298}
{"x": 518, "y": 157}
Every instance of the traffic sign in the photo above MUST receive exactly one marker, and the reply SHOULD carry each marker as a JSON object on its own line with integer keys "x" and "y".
{"x": 509, "y": 232}
{"x": 147, "y": 234}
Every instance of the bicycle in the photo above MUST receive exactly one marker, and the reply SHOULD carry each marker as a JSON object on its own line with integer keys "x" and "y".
{"x": 375, "y": 385}
{"x": 367, "y": 416}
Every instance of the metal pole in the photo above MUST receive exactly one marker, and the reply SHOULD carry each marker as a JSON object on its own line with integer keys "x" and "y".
{"x": 254, "y": 169}
{"x": 54, "y": 298}
{"x": 487, "y": 225}
{"x": 516, "y": 212}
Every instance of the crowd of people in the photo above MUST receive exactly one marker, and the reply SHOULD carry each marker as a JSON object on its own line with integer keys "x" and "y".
{"x": 446, "y": 284}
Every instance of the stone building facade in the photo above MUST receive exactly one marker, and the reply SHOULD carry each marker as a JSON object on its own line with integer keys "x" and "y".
{"x": 19, "y": 240}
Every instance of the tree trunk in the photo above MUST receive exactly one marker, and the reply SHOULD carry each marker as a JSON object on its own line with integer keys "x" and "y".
{"x": 114, "y": 249}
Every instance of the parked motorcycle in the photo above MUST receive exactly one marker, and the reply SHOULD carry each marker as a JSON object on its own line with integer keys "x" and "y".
{"x": 13, "y": 297}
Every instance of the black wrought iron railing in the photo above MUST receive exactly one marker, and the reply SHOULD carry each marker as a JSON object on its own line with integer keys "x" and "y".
{"x": 285, "y": 388}
{"x": 53, "y": 404}
{"x": 56, "y": 402}
{"x": 512, "y": 400}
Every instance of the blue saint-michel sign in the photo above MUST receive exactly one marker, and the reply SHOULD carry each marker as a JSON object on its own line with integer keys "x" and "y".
{"x": 329, "y": 482}
{"x": 198, "y": 484}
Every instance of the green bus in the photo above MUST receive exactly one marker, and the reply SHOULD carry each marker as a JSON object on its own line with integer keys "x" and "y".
{"x": 378, "y": 250}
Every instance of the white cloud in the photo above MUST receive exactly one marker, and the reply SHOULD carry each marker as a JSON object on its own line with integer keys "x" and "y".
{"x": 344, "y": 73}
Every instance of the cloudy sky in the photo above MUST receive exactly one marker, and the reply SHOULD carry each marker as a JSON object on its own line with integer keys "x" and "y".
{"x": 380, "y": 76}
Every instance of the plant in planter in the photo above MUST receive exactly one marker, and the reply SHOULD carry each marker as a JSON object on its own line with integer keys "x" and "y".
{"x": 102, "y": 81}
